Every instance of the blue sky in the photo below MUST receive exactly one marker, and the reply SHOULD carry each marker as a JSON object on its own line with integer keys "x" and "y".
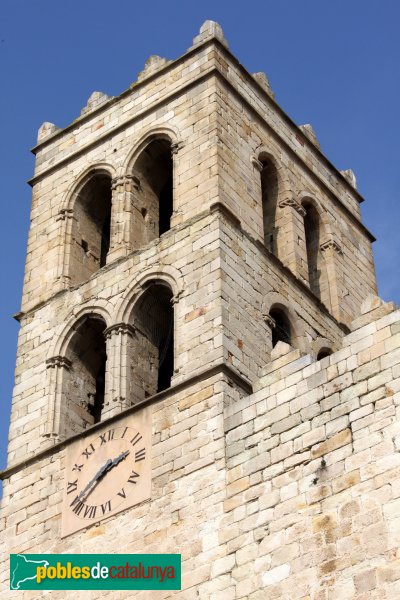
{"x": 332, "y": 64}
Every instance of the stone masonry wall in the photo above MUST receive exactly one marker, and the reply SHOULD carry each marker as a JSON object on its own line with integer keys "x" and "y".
{"x": 194, "y": 173}
{"x": 291, "y": 492}
{"x": 220, "y": 122}
{"x": 242, "y": 137}
{"x": 251, "y": 283}
{"x": 222, "y": 281}
{"x": 185, "y": 257}
{"x": 313, "y": 496}
{"x": 183, "y": 516}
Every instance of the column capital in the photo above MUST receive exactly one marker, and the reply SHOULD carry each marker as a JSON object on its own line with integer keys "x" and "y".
{"x": 331, "y": 244}
{"x": 176, "y": 147}
{"x": 269, "y": 321}
{"x": 119, "y": 328}
{"x": 293, "y": 204}
{"x": 125, "y": 183}
{"x": 60, "y": 362}
{"x": 65, "y": 213}
{"x": 175, "y": 299}
{"x": 256, "y": 163}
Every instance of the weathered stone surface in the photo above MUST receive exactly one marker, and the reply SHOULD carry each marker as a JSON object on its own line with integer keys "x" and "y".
{"x": 208, "y": 30}
{"x": 308, "y": 130}
{"x": 287, "y": 491}
{"x": 95, "y": 100}
{"x": 45, "y": 130}
{"x": 336, "y": 441}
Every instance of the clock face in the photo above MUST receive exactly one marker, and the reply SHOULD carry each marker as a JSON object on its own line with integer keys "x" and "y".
{"x": 106, "y": 473}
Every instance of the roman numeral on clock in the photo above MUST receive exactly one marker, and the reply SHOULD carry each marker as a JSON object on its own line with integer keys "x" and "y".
{"x": 90, "y": 512}
{"x": 122, "y": 493}
{"x": 140, "y": 455}
{"x": 77, "y": 468}
{"x": 72, "y": 486}
{"x": 77, "y": 505}
{"x": 106, "y": 507}
{"x": 136, "y": 438}
{"x": 133, "y": 477}
{"x": 107, "y": 436}
{"x": 89, "y": 450}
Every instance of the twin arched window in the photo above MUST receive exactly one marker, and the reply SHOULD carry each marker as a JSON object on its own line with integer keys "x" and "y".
{"x": 104, "y": 218}
{"x": 95, "y": 362}
{"x": 310, "y": 225}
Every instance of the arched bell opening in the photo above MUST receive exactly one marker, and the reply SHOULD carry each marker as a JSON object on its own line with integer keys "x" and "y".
{"x": 152, "y": 345}
{"x": 281, "y": 327}
{"x": 269, "y": 197}
{"x": 91, "y": 228}
{"x": 84, "y": 384}
{"x": 153, "y": 170}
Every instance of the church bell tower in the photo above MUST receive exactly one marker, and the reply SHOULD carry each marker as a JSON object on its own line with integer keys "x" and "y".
{"x": 200, "y": 309}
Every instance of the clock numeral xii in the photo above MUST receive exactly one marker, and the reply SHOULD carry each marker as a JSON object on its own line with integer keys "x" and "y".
{"x": 107, "y": 436}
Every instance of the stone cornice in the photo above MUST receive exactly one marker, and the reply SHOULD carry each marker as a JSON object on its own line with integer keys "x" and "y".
{"x": 134, "y": 87}
{"x": 315, "y": 176}
{"x": 222, "y": 369}
{"x": 226, "y": 212}
{"x": 214, "y": 69}
{"x": 120, "y": 127}
{"x": 171, "y": 65}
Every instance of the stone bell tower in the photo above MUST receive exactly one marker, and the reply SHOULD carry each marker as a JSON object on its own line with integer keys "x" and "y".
{"x": 197, "y": 272}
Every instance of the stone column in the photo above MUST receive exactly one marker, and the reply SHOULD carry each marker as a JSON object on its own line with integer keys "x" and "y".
{"x": 176, "y": 375}
{"x": 291, "y": 239}
{"x": 123, "y": 237}
{"x": 332, "y": 296}
{"x": 271, "y": 324}
{"x": 117, "y": 396}
{"x": 58, "y": 367}
{"x": 177, "y": 216}
{"x": 66, "y": 221}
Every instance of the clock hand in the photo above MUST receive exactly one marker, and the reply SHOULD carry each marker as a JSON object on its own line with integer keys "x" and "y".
{"x": 95, "y": 478}
{"x": 101, "y": 472}
{"x": 118, "y": 459}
